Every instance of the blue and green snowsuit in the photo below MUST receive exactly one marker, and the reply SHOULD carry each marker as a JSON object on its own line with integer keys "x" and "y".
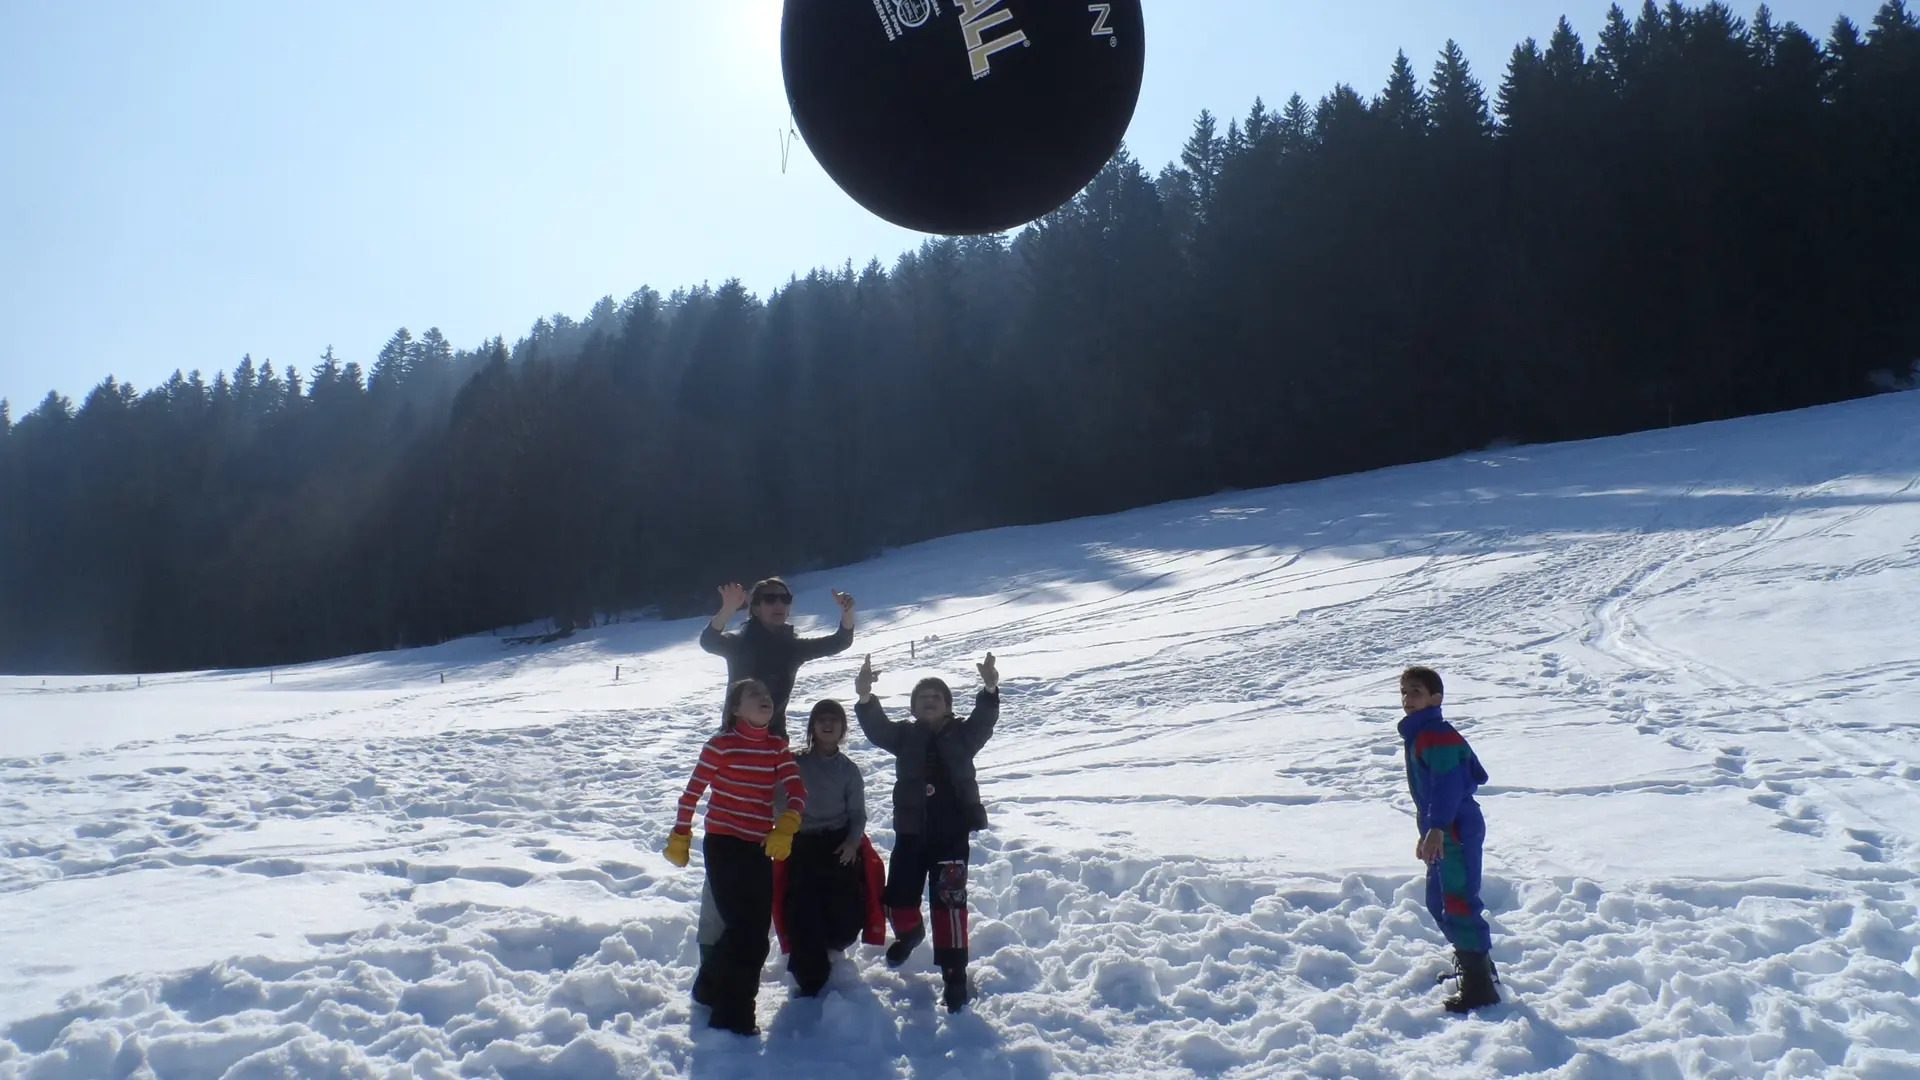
{"x": 1442, "y": 774}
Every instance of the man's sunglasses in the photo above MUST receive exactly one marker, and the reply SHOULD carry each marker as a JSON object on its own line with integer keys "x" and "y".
{"x": 774, "y": 598}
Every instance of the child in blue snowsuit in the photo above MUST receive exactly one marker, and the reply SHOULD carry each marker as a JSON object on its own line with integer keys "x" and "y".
{"x": 1442, "y": 775}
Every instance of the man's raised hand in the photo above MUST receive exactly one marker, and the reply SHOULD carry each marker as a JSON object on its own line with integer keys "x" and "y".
{"x": 863, "y": 680}
{"x": 989, "y": 675}
{"x": 733, "y": 597}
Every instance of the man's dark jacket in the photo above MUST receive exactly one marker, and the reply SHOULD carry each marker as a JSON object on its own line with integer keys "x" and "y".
{"x": 772, "y": 656}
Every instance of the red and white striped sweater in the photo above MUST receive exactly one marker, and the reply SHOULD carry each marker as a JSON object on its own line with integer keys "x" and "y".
{"x": 743, "y": 766}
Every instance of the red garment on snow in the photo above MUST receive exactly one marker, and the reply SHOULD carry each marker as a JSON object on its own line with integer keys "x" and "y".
{"x": 876, "y": 931}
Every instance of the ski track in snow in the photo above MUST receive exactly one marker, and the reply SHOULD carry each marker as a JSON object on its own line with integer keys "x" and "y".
{"x": 1683, "y": 656}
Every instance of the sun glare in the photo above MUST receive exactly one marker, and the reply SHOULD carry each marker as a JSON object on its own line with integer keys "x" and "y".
{"x": 755, "y": 26}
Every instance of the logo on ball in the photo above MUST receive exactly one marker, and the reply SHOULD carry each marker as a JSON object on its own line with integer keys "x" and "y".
{"x": 976, "y": 18}
{"x": 913, "y": 12}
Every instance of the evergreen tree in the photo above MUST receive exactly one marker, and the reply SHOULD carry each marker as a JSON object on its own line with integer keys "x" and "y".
{"x": 1175, "y": 187}
{"x": 327, "y": 375}
{"x": 1259, "y": 128}
{"x": 1402, "y": 106}
{"x": 1233, "y": 319}
{"x": 1656, "y": 35}
{"x": 269, "y": 390}
{"x": 1296, "y": 126}
{"x": 1520, "y": 100}
{"x": 394, "y": 366}
{"x": 1764, "y": 39}
{"x": 1617, "y": 58}
{"x": 1341, "y": 115}
{"x": 56, "y": 408}
{"x": 431, "y": 358}
{"x": 1459, "y": 103}
{"x": 245, "y": 385}
{"x": 1201, "y": 159}
{"x": 1566, "y": 56}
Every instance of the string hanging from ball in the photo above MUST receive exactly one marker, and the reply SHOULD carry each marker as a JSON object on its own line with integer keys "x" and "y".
{"x": 786, "y": 135}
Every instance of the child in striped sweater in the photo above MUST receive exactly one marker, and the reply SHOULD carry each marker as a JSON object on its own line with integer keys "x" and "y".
{"x": 743, "y": 765}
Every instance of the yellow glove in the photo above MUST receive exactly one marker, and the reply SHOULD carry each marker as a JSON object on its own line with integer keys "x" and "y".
{"x": 780, "y": 841}
{"x": 679, "y": 848}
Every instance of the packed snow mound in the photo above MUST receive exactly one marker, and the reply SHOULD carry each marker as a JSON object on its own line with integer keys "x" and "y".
{"x": 1686, "y": 658}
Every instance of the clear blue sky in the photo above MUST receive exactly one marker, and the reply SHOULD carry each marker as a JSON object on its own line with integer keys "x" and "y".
{"x": 184, "y": 183}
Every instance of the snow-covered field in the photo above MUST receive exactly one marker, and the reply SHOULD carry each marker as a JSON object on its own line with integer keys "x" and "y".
{"x": 1690, "y": 660}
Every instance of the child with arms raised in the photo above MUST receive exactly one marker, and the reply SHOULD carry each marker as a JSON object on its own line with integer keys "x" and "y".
{"x": 936, "y": 809}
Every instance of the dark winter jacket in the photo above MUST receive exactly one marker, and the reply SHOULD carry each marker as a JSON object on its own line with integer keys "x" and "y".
{"x": 1442, "y": 770}
{"x": 772, "y": 656}
{"x": 956, "y": 742}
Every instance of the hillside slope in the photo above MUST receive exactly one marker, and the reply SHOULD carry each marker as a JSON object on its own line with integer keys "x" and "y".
{"x": 1686, "y": 658}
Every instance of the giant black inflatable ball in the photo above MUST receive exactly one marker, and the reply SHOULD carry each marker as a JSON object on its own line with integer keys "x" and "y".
{"x": 961, "y": 117}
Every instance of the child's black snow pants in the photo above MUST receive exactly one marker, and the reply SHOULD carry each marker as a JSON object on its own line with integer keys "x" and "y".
{"x": 742, "y": 877}
{"x": 824, "y": 906}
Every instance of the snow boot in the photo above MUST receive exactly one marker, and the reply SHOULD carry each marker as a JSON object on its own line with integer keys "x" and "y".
{"x": 810, "y": 971}
{"x": 734, "y": 1021}
{"x": 734, "y": 1012}
{"x": 958, "y": 991}
{"x": 1476, "y": 982}
{"x": 1453, "y": 971}
{"x": 811, "y": 987}
{"x": 904, "y": 944}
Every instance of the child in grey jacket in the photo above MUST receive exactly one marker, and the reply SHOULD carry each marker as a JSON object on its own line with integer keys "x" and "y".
{"x": 823, "y": 887}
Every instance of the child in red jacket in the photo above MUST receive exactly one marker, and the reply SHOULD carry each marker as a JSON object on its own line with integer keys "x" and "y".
{"x": 744, "y": 764}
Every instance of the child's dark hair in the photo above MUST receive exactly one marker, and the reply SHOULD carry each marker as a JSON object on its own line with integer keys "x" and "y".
{"x": 1426, "y": 677}
{"x": 825, "y": 707}
{"x": 737, "y": 691}
{"x": 932, "y": 683}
